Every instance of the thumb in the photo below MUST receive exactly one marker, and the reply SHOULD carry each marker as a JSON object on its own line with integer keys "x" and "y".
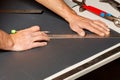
{"x": 78, "y": 30}
{"x": 81, "y": 32}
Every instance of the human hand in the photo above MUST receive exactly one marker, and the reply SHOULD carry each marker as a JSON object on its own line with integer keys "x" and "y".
{"x": 79, "y": 23}
{"x": 29, "y": 38}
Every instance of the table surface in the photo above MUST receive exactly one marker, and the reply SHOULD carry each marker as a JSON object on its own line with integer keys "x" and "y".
{"x": 42, "y": 62}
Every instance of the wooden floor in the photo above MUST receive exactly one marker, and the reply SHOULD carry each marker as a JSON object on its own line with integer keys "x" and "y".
{"x": 109, "y": 71}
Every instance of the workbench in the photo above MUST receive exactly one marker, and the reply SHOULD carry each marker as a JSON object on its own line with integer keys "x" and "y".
{"x": 61, "y": 59}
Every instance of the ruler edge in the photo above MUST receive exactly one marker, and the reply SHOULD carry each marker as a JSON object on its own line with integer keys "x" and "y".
{"x": 21, "y": 11}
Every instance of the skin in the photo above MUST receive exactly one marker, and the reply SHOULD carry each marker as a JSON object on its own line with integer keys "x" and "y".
{"x": 77, "y": 23}
{"x": 23, "y": 39}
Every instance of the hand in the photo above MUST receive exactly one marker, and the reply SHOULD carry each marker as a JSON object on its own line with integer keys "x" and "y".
{"x": 29, "y": 38}
{"x": 79, "y": 23}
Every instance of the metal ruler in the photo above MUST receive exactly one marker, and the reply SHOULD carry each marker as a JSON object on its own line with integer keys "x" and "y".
{"x": 75, "y": 36}
{"x": 31, "y": 11}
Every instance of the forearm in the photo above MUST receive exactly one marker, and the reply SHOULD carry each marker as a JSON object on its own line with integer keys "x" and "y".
{"x": 59, "y": 7}
{"x": 6, "y": 42}
{"x": 77, "y": 23}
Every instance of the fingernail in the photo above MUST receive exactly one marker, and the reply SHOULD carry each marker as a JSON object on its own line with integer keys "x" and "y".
{"x": 82, "y": 34}
{"x": 107, "y": 33}
{"x": 102, "y": 34}
{"x": 45, "y": 43}
{"x": 108, "y": 29}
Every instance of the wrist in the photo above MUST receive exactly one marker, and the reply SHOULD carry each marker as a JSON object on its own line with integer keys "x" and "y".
{"x": 70, "y": 17}
{"x": 10, "y": 43}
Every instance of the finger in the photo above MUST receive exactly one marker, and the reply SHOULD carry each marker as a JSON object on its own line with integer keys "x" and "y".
{"x": 100, "y": 28}
{"x": 94, "y": 30}
{"x": 38, "y": 33}
{"x": 39, "y": 44}
{"x": 81, "y": 32}
{"x": 78, "y": 30}
{"x": 41, "y": 38}
{"x": 34, "y": 28}
{"x": 102, "y": 24}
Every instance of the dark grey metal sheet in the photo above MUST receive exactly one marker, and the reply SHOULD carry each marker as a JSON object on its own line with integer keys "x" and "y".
{"x": 39, "y": 63}
{"x": 42, "y": 62}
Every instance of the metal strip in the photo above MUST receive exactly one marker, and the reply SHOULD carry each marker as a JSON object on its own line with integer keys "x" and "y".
{"x": 68, "y": 36}
{"x": 22, "y": 11}
{"x": 88, "y": 64}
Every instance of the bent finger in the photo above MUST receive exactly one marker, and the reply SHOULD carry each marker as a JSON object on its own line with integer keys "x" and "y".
{"x": 34, "y": 28}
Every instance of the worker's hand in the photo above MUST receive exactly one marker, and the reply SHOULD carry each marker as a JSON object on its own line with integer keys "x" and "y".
{"x": 29, "y": 38}
{"x": 78, "y": 24}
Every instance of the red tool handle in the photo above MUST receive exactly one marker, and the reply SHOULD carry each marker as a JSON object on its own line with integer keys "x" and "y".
{"x": 94, "y": 10}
